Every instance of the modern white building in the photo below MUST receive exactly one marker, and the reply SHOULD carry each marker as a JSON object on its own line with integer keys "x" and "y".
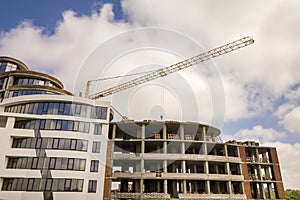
{"x": 53, "y": 144}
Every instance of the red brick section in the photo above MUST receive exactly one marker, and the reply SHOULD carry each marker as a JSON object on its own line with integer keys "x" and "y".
{"x": 245, "y": 172}
{"x": 277, "y": 173}
{"x": 108, "y": 169}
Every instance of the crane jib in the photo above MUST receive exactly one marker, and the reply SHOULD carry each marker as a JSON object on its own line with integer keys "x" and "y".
{"x": 232, "y": 46}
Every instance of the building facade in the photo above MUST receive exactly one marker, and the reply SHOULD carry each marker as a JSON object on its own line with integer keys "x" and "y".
{"x": 183, "y": 160}
{"x": 53, "y": 144}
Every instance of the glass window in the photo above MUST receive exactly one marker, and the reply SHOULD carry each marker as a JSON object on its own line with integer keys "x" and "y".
{"x": 98, "y": 129}
{"x": 92, "y": 187}
{"x": 67, "y": 186}
{"x": 30, "y": 184}
{"x": 52, "y": 163}
{"x": 48, "y": 184}
{"x": 55, "y": 184}
{"x": 55, "y": 143}
{"x": 73, "y": 144}
{"x": 70, "y": 163}
{"x": 96, "y": 147}
{"x": 82, "y": 164}
{"x": 74, "y": 186}
{"x": 94, "y": 165}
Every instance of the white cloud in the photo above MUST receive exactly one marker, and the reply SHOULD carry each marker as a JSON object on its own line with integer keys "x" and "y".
{"x": 289, "y": 163}
{"x": 62, "y": 53}
{"x": 284, "y": 109}
{"x": 260, "y": 134}
{"x": 254, "y": 77}
{"x": 291, "y": 120}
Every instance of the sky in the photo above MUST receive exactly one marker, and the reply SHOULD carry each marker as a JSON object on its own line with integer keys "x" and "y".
{"x": 250, "y": 94}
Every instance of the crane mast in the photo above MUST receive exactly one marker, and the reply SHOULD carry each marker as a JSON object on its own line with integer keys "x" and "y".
{"x": 232, "y": 46}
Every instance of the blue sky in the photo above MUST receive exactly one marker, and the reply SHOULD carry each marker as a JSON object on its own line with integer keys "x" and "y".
{"x": 261, "y": 82}
{"x": 46, "y": 13}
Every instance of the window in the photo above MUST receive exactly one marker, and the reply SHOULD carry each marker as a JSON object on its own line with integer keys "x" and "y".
{"x": 36, "y": 184}
{"x": 67, "y": 185}
{"x": 92, "y": 186}
{"x": 52, "y": 108}
{"x": 50, "y": 143}
{"x": 98, "y": 129}
{"x": 96, "y": 147}
{"x": 94, "y": 165}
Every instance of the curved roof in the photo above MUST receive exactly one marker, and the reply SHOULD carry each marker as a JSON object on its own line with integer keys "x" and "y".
{"x": 34, "y": 74}
{"x": 21, "y": 65}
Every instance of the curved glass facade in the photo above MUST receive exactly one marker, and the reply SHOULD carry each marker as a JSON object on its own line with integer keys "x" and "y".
{"x": 53, "y": 163}
{"x": 38, "y": 184}
{"x": 53, "y": 124}
{"x": 59, "y": 108}
{"x": 50, "y": 143}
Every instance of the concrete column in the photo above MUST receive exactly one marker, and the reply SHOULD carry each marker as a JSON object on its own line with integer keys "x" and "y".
{"x": 204, "y": 147}
{"x": 114, "y": 131}
{"x": 229, "y": 187}
{"x": 165, "y": 137}
{"x": 165, "y": 167}
{"x": 227, "y": 168}
{"x": 270, "y": 190}
{"x": 183, "y": 167}
{"x": 203, "y": 136}
{"x": 206, "y": 167}
{"x": 262, "y": 191}
{"x": 207, "y": 187}
{"x": 165, "y": 186}
{"x": 225, "y": 150}
{"x": 267, "y": 169}
{"x": 243, "y": 188}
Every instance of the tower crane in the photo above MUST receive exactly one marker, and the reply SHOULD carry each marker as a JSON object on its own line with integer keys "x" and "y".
{"x": 232, "y": 46}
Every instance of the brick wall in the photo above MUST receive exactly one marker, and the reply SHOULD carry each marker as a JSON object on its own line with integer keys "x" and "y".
{"x": 107, "y": 182}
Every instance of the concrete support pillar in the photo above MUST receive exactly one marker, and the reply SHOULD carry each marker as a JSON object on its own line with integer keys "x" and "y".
{"x": 270, "y": 191}
{"x": 204, "y": 148}
{"x": 183, "y": 167}
{"x": 203, "y": 136}
{"x": 165, "y": 150}
{"x": 158, "y": 186}
{"x": 225, "y": 150}
{"x": 227, "y": 168}
{"x": 165, "y": 167}
{"x": 262, "y": 191}
{"x": 114, "y": 131}
{"x": 229, "y": 187}
{"x": 207, "y": 187}
{"x": 243, "y": 188}
{"x": 165, "y": 186}
{"x": 206, "y": 167}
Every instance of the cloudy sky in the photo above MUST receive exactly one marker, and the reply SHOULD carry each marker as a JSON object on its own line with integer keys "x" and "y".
{"x": 258, "y": 97}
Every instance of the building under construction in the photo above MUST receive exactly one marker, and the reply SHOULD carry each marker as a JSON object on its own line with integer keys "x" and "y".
{"x": 184, "y": 160}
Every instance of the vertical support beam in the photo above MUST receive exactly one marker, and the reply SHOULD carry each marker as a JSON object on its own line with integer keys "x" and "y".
{"x": 165, "y": 138}
{"x": 227, "y": 168}
{"x": 270, "y": 191}
{"x": 142, "y": 157}
{"x": 165, "y": 170}
{"x": 262, "y": 191}
{"x": 203, "y": 136}
{"x": 165, "y": 186}
{"x": 207, "y": 187}
{"x": 183, "y": 167}
{"x": 206, "y": 167}
{"x": 229, "y": 187}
